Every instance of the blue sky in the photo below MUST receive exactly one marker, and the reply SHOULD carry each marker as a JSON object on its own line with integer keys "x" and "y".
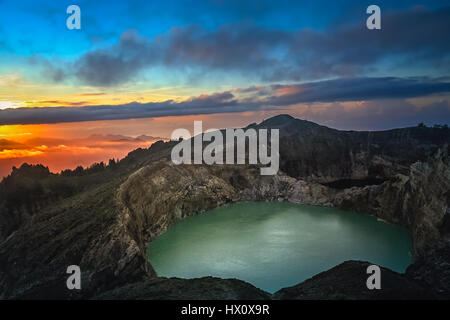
{"x": 146, "y": 52}
{"x": 37, "y": 27}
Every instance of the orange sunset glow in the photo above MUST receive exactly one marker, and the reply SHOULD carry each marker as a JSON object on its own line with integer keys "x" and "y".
{"x": 68, "y": 145}
{"x": 64, "y": 146}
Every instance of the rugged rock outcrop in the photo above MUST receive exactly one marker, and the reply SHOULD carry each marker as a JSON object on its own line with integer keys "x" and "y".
{"x": 418, "y": 199}
{"x": 84, "y": 230}
{"x": 157, "y": 195}
{"x": 433, "y": 271}
{"x": 347, "y": 281}
{"x": 186, "y": 289}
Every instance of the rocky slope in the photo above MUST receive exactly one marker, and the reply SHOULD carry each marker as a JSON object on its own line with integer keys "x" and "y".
{"x": 401, "y": 176}
{"x": 348, "y": 281}
{"x": 186, "y": 289}
{"x": 433, "y": 271}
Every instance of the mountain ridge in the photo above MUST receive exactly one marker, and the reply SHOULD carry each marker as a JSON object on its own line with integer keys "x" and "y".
{"x": 107, "y": 216}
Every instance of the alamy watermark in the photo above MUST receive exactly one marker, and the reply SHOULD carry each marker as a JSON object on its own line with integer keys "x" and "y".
{"x": 74, "y": 20}
{"x": 231, "y": 150}
{"x": 374, "y": 281}
{"x": 373, "y": 22}
{"x": 74, "y": 280}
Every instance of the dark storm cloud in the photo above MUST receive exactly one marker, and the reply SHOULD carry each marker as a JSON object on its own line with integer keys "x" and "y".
{"x": 381, "y": 115}
{"x": 231, "y": 47}
{"x": 116, "y": 64}
{"x": 413, "y": 38}
{"x": 219, "y": 102}
{"x": 355, "y": 89}
{"x": 274, "y": 97}
{"x": 237, "y": 46}
{"x": 416, "y": 38}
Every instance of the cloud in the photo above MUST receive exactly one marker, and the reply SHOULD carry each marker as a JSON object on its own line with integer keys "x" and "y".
{"x": 418, "y": 36}
{"x": 61, "y": 102}
{"x": 357, "y": 89}
{"x": 377, "y": 115}
{"x": 10, "y": 144}
{"x": 218, "y": 102}
{"x": 91, "y": 94}
{"x": 118, "y": 63}
{"x": 273, "y": 97}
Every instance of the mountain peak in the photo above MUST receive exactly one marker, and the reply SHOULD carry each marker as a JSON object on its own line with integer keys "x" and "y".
{"x": 284, "y": 116}
{"x": 278, "y": 120}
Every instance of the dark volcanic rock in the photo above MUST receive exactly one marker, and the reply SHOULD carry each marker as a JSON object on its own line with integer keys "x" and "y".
{"x": 207, "y": 288}
{"x": 34, "y": 259}
{"x": 433, "y": 271}
{"x": 348, "y": 281}
{"x": 310, "y": 151}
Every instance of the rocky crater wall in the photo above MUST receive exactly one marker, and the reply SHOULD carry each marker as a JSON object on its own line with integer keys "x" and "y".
{"x": 160, "y": 194}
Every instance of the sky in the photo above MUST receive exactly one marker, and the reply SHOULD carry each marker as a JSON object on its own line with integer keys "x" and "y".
{"x": 137, "y": 70}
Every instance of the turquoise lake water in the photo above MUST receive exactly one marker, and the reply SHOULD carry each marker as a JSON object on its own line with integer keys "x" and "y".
{"x": 275, "y": 244}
